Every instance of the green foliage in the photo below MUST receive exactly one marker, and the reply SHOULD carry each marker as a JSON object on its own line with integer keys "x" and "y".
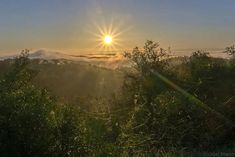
{"x": 164, "y": 118}
{"x": 30, "y": 120}
{"x": 151, "y": 57}
{"x": 100, "y": 138}
{"x": 167, "y": 107}
{"x": 71, "y": 130}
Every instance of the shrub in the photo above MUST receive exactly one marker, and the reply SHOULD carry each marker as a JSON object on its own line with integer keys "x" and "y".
{"x": 166, "y": 115}
{"x": 32, "y": 122}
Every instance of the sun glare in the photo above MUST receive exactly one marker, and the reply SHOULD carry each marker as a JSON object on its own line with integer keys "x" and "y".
{"x": 108, "y": 39}
{"x": 108, "y": 36}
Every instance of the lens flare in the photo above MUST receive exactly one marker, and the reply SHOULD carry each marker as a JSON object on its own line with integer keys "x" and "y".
{"x": 108, "y": 36}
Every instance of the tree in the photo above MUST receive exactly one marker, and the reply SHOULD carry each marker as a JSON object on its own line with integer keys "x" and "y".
{"x": 165, "y": 115}
{"x": 32, "y": 122}
{"x": 150, "y": 57}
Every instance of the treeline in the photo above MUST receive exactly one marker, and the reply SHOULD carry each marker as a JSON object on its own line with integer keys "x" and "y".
{"x": 183, "y": 108}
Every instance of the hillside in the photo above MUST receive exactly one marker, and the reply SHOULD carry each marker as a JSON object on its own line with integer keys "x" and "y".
{"x": 72, "y": 79}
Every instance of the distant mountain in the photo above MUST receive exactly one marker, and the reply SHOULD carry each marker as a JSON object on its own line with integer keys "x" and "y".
{"x": 107, "y": 60}
{"x": 43, "y": 54}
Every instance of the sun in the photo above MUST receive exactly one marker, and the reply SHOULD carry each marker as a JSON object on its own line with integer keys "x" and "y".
{"x": 108, "y": 39}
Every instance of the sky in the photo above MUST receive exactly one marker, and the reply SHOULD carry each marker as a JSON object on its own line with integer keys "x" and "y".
{"x": 74, "y": 24}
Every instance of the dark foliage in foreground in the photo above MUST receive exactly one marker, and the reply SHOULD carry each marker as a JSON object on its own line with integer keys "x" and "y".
{"x": 164, "y": 109}
{"x": 32, "y": 123}
{"x": 189, "y": 105}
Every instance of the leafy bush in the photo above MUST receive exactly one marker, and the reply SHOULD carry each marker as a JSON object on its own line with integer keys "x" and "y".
{"x": 160, "y": 112}
{"x": 166, "y": 115}
{"x": 32, "y": 123}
